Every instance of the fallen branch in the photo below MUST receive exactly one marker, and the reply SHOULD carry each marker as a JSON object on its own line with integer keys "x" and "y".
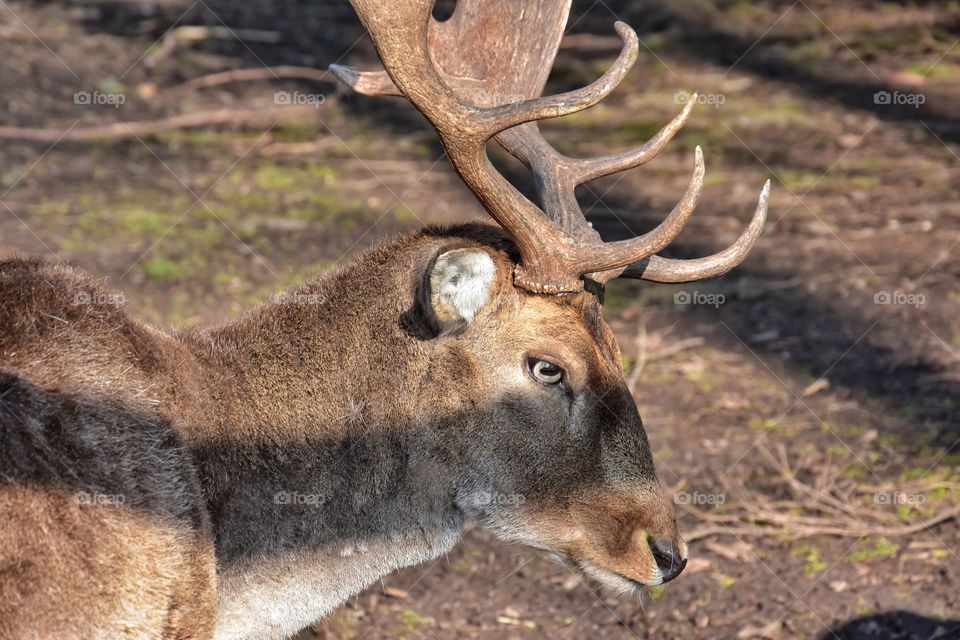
{"x": 187, "y": 34}
{"x": 809, "y": 531}
{"x": 249, "y": 118}
{"x": 644, "y": 356}
{"x": 824, "y": 509}
{"x": 251, "y": 75}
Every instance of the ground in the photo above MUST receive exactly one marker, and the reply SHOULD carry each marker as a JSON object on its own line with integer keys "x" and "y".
{"x": 804, "y": 408}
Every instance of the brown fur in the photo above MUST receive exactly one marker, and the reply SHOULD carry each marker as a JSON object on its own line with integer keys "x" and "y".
{"x": 351, "y": 388}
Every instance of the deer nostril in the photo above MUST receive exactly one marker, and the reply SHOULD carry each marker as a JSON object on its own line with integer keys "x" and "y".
{"x": 668, "y": 558}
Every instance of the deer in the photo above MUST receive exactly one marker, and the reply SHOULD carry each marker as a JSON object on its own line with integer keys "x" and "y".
{"x": 242, "y": 480}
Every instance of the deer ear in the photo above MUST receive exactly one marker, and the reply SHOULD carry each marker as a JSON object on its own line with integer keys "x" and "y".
{"x": 461, "y": 281}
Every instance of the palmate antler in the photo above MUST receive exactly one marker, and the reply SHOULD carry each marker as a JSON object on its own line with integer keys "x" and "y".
{"x": 480, "y": 75}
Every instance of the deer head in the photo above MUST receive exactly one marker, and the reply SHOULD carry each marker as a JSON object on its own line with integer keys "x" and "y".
{"x": 564, "y": 437}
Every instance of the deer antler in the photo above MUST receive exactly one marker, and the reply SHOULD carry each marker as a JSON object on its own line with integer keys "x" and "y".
{"x": 479, "y": 75}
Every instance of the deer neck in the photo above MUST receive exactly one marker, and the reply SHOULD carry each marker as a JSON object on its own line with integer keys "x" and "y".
{"x": 319, "y": 478}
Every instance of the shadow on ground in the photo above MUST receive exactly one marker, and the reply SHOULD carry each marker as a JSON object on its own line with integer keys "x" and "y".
{"x": 895, "y": 625}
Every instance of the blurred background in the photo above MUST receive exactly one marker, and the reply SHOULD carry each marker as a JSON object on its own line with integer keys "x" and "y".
{"x": 804, "y": 408}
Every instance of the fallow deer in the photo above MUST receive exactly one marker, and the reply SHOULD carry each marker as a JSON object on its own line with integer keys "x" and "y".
{"x": 241, "y": 480}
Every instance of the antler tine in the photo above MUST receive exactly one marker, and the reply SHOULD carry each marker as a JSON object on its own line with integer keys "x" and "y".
{"x": 558, "y": 175}
{"x": 510, "y": 115}
{"x": 588, "y": 169}
{"x": 369, "y": 83}
{"x": 657, "y": 269}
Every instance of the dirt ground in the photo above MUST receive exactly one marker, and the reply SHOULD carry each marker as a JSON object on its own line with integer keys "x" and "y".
{"x": 804, "y": 408}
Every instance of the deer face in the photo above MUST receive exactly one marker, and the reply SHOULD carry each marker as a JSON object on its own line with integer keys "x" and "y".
{"x": 556, "y": 453}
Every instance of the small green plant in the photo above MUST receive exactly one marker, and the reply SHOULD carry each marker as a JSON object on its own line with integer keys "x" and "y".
{"x": 161, "y": 269}
{"x": 812, "y": 562}
{"x": 881, "y": 548}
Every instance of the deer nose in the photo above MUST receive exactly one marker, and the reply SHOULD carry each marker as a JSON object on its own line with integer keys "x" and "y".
{"x": 670, "y": 559}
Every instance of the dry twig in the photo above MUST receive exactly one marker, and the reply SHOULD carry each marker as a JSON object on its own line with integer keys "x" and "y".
{"x": 245, "y": 118}
{"x": 825, "y": 509}
{"x": 283, "y": 72}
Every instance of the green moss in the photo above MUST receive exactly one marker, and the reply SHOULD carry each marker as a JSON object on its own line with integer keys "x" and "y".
{"x": 140, "y": 220}
{"x": 768, "y": 424}
{"x": 891, "y": 439}
{"x": 903, "y": 40}
{"x": 706, "y": 380}
{"x": 784, "y": 111}
{"x": 411, "y": 620}
{"x": 808, "y": 57}
{"x": 795, "y": 179}
{"x": 857, "y": 471}
{"x": 812, "y": 562}
{"x": 109, "y": 85}
{"x": 747, "y": 12}
{"x": 197, "y": 137}
{"x": 295, "y": 133}
{"x": 939, "y": 70}
{"x": 270, "y": 175}
{"x": 632, "y": 132}
{"x": 161, "y": 269}
{"x": 881, "y": 548}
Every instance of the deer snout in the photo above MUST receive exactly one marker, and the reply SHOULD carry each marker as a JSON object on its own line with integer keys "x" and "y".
{"x": 670, "y": 558}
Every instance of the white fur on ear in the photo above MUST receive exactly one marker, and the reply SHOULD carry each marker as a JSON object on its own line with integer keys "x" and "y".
{"x": 460, "y": 284}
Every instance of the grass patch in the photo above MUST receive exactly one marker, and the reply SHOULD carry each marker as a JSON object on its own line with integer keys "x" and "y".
{"x": 880, "y": 548}
{"x": 812, "y": 563}
{"x": 161, "y": 269}
{"x": 766, "y": 424}
{"x": 941, "y": 70}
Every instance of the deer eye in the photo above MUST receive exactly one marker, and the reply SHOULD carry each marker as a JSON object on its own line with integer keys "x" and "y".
{"x": 545, "y": 371}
